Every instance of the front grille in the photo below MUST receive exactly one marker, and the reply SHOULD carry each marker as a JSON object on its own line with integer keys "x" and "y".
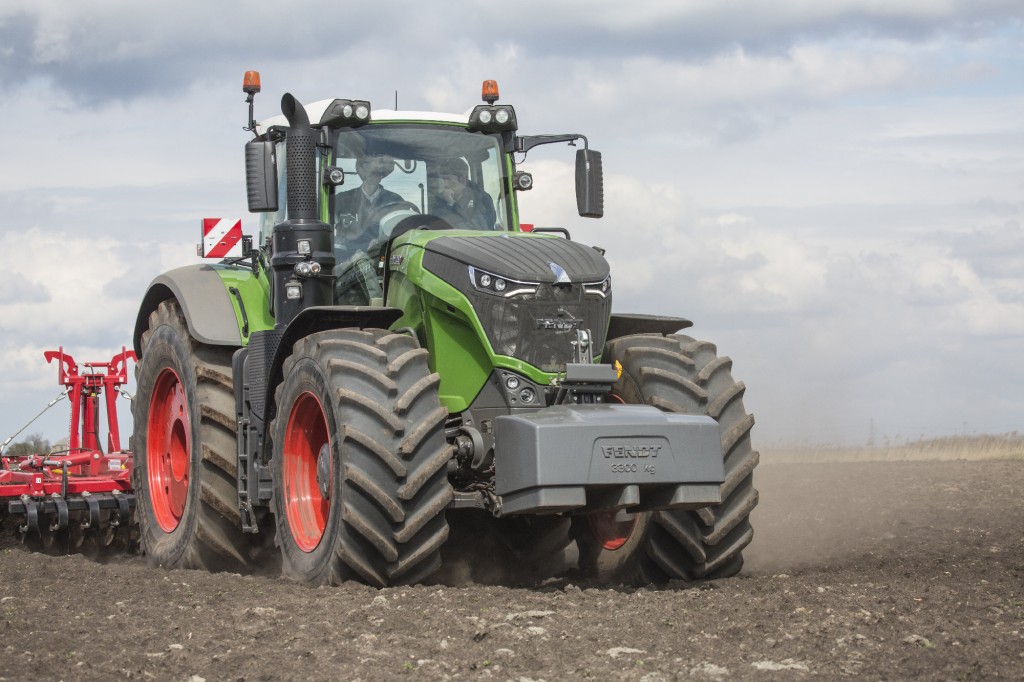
{"x": 539, "y": 329}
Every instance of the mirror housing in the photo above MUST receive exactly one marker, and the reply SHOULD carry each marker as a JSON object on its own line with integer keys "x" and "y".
{"x": 589, "y": 183}
{"x": 261, "y": 176}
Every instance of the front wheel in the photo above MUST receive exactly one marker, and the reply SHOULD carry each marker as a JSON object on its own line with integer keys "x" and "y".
{"x": 677, "y": 374}
{"x": 359, "y": 459}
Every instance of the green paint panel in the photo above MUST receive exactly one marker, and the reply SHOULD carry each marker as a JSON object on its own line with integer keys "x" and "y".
{"x": 255, "y": 293}
{"x": 446, "y": 323}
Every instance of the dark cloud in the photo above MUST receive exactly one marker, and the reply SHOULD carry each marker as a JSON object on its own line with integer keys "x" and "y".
{"x": 122, "y": 53}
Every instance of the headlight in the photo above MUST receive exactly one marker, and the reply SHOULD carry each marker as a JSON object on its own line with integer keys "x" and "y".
{"x": 307, "y": 268}
{"x": 522, "y": 181}
{"x": 602, "y": 288}
{"x": 500, "y": 286}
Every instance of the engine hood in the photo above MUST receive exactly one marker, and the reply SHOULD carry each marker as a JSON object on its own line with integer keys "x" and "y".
{"x": 522, "y": 258}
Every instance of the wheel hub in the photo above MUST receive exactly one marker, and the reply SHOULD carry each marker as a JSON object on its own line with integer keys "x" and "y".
{"x": 323, "y": 471}
{"x": 612, "y": 528}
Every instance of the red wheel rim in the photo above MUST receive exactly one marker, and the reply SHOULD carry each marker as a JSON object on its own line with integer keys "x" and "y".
{"x": 167, "y": 450}
{"x": 305, "y": 506}
{"x": 612, "y": 529}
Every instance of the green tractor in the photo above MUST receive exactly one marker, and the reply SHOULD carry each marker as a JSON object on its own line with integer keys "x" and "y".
{"x": 399, "y": 366}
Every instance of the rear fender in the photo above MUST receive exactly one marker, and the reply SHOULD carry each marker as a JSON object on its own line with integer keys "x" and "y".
{"x": 204, "y": 299}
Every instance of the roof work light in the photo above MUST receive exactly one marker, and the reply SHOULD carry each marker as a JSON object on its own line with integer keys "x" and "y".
{"x": 488, "y": 118}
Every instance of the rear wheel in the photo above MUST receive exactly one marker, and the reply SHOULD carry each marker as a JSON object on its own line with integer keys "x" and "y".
{"x": 360, "y": 460}
{"x": 677, "y": 374}
{"x": 185, "y": 450}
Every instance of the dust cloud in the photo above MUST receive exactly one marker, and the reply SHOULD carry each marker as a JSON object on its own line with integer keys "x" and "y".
{"x": 822, "y": 514}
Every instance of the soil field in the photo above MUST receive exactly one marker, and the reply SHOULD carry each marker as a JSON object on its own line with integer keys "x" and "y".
{"x": 882, "y": 570}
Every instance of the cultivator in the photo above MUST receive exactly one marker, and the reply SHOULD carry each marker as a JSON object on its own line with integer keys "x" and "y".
{"x": 78, "y": 498}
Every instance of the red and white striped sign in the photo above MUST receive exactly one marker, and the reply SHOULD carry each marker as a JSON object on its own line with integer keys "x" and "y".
{"x": 222, "y": 238}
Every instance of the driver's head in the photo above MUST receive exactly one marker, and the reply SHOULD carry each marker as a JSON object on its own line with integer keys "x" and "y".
{"x": 374, "y": 167}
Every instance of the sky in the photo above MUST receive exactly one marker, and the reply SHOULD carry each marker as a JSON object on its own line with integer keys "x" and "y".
{"x": 833, "y": 192}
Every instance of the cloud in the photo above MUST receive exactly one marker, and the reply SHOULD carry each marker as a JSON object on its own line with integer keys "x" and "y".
{"x": 117, "y": 49}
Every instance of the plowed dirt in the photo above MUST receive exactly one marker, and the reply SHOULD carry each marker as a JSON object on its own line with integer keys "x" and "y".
{"x": 892, "y": 571}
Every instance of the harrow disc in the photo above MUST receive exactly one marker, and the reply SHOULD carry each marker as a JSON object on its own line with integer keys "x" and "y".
{"x": 96, "y": 526}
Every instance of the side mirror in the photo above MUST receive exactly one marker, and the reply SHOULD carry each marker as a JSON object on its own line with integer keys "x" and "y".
{"x": 589, "y": 183}
{"x": 261, "y": 176}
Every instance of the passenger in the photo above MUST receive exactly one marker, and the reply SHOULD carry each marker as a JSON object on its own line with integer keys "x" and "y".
{"x": 461, "y": 202}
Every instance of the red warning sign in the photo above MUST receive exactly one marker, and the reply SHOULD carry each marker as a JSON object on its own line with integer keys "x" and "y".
{"x": 222, "y": 238}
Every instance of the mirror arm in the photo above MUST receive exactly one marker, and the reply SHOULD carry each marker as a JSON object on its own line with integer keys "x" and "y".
{"x": 528, "y": 142}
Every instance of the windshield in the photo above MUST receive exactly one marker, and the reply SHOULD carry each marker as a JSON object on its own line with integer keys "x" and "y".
{"x": 418, "y": 175}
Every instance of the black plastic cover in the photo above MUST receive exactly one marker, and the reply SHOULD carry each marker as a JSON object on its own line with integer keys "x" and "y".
{"x": 589, "y": 183}
{"x": 260, "y": 176}
{"x": 522, "y": 258}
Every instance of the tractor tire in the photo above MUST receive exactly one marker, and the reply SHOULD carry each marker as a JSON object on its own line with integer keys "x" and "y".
{"x": 360, "y": 460}
{"x": 185, "y": 451}
{"x": 677, "y": 374}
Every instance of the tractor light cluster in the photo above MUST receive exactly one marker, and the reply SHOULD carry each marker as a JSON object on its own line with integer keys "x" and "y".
{"x": 346, "y": 113}
{"x": 602, "y": 288}
{"x": 499, "y": 286}
{"x": 519, "y": 388}
{"x": 293, "y": 289}
{"x": 307, "y": 268}
{"x": 492, "y": 119}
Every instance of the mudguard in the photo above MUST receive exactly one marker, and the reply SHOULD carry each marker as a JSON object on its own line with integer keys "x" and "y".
{"x": 203, "y": 298}
{"x": 627, "y": 324}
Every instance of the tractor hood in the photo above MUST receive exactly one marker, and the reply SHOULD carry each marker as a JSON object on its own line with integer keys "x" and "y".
{"x": 547, "y": 260}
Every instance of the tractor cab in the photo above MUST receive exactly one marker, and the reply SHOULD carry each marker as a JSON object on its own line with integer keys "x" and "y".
{"x": 381, "y": 172}
{"x": 382, "y": 180}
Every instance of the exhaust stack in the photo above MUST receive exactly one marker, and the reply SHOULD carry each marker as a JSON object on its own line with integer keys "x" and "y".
{"x": 303, "y": 237}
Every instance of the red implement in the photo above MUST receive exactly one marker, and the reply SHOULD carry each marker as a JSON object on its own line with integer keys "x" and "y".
{"x": 81, "y": 487}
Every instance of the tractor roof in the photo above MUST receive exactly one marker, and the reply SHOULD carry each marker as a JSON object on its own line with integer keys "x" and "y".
{"x": 315, "y": 111}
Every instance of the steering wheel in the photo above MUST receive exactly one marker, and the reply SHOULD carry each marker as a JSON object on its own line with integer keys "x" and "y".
{"x": 387, "y": 216}
{"x": 355, "y": 280}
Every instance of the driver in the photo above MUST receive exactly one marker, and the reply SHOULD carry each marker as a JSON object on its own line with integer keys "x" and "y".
{"x": 353, "y": 207}
{"x": 356, "y": 229}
